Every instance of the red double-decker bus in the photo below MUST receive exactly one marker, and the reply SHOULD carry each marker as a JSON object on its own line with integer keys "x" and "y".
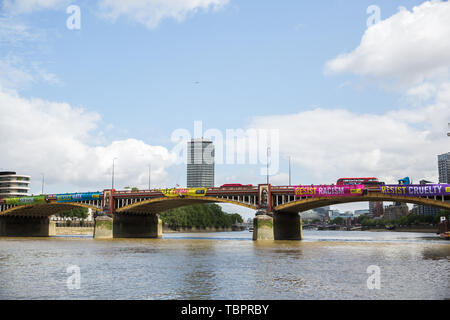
{"x": 235, "y": 185}
{"x": 346, "y": 181}
{"x": 370, "y": 183}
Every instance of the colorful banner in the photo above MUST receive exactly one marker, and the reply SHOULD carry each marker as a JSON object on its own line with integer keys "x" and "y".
{"x": 191, "y": 192}
{"x": 329, "y": 191}
{"x": 73, "y": 197}
{"x": 26, "y": 200}
{"x": 416, "y": 190}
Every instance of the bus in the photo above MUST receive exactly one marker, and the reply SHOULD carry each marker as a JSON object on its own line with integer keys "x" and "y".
{"x": 235, "y": 185}
{"x": 370, "y": 183}
{"x": 347, "y": 181}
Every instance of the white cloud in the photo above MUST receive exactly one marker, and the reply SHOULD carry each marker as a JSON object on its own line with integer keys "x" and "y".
{"x": 28, "y": 6}
{"x": 23, "y": 45}
{"x": 151, "y": 12}
{"x": 329, "y": 144}
{"x": 410, "y": 49}
{"x": 410, "y": 46}
{"x": 56, "y": 138}
{"x": 14, "y": 33}
{"x": 14, "y": 74}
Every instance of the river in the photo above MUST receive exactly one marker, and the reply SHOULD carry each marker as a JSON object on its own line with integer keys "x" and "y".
{"x": 325, "y": 265}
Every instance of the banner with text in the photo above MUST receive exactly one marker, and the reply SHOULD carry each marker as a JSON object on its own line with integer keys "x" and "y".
{"x": 26, "y": 200}
{"x": 72, "y": 197}
{"x": 191, "y": 192}
{"x": 416, "y": 190}
{"x": 329, "y": 191}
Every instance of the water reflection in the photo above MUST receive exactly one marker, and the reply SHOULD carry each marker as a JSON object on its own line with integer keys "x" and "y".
{"x": 210, "y": 266}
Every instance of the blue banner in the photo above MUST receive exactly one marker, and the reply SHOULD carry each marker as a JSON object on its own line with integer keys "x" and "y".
{"x": 73, "y": 197}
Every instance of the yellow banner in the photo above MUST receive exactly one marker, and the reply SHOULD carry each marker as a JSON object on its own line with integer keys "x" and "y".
{"x": 182, "y": 192}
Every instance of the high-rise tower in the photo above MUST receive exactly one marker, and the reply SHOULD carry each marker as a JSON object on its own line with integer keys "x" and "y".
{"x": 200, "y": 163}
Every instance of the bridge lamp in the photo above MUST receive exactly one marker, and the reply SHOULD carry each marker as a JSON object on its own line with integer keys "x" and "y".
{"x": 268, "y": 155}
{"x": 289, "y": 170}
{"x": 42, "y": 191}
{"x": 112, "y": 184}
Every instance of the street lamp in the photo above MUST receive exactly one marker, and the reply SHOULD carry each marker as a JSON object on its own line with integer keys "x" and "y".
{"x": 448, "y": 133}
{"x": 112, "y": 184}
{"x": 42, "y": 191}
{"x": 289, "y": 171}
{"x": 149, "y": 175}
{"x": 268, "y": 154}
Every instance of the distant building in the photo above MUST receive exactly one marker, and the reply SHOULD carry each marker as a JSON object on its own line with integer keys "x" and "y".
{"x": 376, "y": 209}
{"x": 338, "y": 214}
{"x": 317, "y": 213}
{"x": 362, "y": 212}
{"x": 444, "y": 167}
{"x": 200, "y": 163}
{"x": 13, "y": 185}
{"x": 395, "y": 211}
{"x": 444, "y": 177}
{"x": 422, "y": 210}
{"x": 323, "y": 211}
{"x": 309, "y": 215}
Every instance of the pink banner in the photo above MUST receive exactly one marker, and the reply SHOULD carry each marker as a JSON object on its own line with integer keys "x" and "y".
{"x": 329, "y": 191}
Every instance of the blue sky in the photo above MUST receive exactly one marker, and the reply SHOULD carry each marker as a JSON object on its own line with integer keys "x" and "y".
{"x": 231, "y": 64}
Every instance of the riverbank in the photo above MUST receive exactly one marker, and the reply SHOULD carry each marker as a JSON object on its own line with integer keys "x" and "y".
{"x": 74, "y": 231}
{"x": 90, "y": 230}
{"x": 197, "y": 230}
{"x": 420, "y": 229}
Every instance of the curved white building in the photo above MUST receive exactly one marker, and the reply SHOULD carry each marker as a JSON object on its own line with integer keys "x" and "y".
{"x": 13, "y": 185}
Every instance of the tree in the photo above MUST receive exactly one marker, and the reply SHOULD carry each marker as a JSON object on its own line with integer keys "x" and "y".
{"x": 200, "y": 216}
{"x": 338, "y": 220}
{"x": 442, "y": 213}
{"x": 81, "y": 213}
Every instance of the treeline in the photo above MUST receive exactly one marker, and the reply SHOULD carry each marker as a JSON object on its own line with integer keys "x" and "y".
{"x": 80, "y": 213}
{"x": 409, "y": 220}
{"x": 199, "y": 216}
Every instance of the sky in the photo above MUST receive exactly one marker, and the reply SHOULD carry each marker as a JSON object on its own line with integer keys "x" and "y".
{"x": 344, "y": 88}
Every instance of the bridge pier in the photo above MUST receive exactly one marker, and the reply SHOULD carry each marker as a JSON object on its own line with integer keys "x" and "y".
{"x": 103, "y": 228}
{"x": 27, "y": 227}
{"x": 287, "y": 226}
{"x": 137, "y": 226}
{"x": 263, "y": 227}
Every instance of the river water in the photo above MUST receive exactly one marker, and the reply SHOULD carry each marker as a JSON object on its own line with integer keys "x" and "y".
{"x": 325, "y": 265}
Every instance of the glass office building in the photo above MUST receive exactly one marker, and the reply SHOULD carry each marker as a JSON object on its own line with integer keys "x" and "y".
{"x": 200, "y": 163}
{"x": 444, "y": 167}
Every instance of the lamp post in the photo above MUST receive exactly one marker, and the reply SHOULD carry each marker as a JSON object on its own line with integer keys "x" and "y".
{"x": 149, "y": 175}
{"x": 268, "y": 154}
{"x": 43, "y": 179}
{"x": 289, "y": 171}
{"x": 112, "y": 183}
{"x": 448, "y": 133}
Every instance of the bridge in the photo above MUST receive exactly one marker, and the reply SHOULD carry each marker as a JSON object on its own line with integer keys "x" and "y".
{"x": 135, "y": 214}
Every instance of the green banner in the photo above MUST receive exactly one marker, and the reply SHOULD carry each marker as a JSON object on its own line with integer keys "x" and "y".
{"x": 26, "y": 200}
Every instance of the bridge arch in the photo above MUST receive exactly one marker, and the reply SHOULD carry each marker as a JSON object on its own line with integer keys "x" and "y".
{"x": 158, "y": 205}
{"x": 45, "y": 210}
{"x": 313, "y": 203}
